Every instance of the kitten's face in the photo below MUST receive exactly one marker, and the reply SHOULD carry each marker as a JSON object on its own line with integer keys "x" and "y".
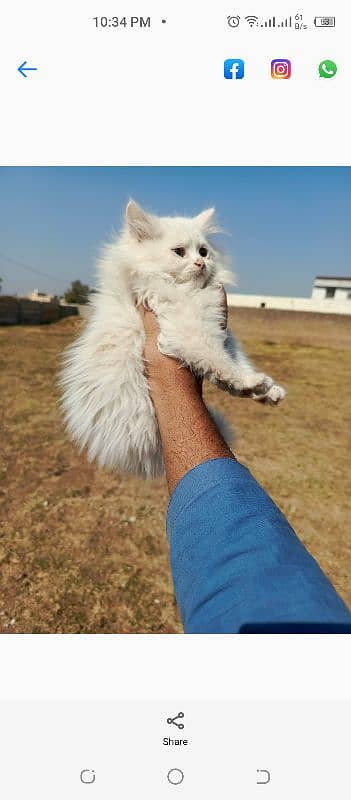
{"x": 174, "y": 246}
{"x": 185, "y": 254}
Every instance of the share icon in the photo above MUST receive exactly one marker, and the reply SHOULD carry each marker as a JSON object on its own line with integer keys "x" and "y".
{"x": 173, "y": 720}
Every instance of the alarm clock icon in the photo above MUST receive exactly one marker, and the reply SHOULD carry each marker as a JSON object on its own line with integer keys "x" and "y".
{"x": 88, "y": 776}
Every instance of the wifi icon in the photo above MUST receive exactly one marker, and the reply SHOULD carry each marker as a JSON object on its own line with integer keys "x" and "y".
{"x": 251, "y": 20}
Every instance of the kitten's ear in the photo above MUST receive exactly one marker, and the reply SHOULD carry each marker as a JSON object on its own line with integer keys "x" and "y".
{"x": 207, "y": 220}
{"x": 141, "y": 225}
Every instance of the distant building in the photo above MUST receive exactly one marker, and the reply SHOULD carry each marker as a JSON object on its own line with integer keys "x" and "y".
{"x": 330, "y": 295}
{"x": 42, "y": 297}
{"x": 327, "y": 287}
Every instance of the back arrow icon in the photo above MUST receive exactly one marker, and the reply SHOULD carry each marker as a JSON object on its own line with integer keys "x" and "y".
{"x": 23, "y": 69}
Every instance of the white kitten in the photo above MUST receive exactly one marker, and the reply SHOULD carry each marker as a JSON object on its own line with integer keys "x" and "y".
{"x": 170, "y": 264}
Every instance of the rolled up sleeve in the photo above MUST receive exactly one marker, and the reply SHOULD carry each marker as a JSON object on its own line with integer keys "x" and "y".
{"x": 235, "y": 560}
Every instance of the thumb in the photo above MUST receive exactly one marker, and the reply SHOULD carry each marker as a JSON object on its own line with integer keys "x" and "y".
{"x": 150, "y": 321}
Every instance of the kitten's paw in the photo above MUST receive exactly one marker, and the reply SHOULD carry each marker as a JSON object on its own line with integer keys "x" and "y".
{"x": 274, "y": 396}
{"x": 254, "y": 384}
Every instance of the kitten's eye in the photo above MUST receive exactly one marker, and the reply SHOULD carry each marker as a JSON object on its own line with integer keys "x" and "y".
{"x": 203, "y": 252}
{"x": 180, "y": 251}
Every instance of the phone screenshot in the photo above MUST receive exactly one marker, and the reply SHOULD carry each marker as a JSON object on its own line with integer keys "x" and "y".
{"x": 175, "y": 400}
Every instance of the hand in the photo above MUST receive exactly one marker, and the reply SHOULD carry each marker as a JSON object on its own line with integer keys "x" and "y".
{"x": 162, "y": 370}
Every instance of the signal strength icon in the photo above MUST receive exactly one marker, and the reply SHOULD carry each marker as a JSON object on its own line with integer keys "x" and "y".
{"x": 272, "y": 23}
{"x": 251, "y": 20}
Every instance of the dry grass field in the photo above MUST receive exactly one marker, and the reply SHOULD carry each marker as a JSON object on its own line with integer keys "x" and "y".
{"x": 84, "y": 551}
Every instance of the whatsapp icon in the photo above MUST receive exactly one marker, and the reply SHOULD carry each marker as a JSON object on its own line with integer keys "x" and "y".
{"x": 327, "y": 69}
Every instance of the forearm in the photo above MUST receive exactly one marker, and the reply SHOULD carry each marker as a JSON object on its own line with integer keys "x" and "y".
{"x": 189, "y": 435}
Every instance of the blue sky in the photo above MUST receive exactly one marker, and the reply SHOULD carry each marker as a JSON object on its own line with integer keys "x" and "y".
{"x": 285, "y": 224}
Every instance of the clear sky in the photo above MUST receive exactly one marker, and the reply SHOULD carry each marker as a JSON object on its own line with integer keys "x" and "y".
{"x": 285, "y": 224}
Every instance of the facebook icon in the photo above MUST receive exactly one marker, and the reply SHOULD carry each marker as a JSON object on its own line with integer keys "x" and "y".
{"x": 234, "y": 68}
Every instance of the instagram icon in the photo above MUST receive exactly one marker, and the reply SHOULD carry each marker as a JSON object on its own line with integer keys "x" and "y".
{"x": 281, "y": 68}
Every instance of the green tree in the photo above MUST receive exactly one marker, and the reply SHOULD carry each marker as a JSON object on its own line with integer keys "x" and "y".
{"x": 78, "y": 292}
{"x": 0, "y": 284}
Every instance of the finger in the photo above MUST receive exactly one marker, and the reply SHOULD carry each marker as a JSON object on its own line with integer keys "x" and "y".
{"x": 224, "y": 306}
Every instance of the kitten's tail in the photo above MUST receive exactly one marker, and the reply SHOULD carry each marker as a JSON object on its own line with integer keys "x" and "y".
{"x": 223, "y": 426}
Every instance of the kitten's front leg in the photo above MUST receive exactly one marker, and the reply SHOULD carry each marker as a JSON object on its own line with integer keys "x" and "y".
{"x": 206, "y": 355}
{"x": 266, "y": 390}
{"x": 205, "y": 352}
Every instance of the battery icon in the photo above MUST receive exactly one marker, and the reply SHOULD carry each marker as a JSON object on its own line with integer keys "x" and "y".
{"x": 324, "y": 22}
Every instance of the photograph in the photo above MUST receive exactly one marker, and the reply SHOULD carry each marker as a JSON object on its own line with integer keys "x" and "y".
{"x": 175, "y": 400}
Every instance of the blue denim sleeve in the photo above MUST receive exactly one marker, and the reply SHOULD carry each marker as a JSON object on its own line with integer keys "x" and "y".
{"x": 237, "y": 563}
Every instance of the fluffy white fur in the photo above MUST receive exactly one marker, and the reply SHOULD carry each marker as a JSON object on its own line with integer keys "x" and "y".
{"x": 170, "y": 264}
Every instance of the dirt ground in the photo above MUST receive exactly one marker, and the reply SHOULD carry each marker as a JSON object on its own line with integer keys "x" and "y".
{"x": 85, "y": 551}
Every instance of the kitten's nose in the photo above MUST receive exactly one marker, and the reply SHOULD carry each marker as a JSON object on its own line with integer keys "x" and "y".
{"x": 199, "y": 264}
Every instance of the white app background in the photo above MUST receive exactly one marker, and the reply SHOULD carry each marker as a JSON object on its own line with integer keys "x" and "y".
{"x": 132, "y": 95}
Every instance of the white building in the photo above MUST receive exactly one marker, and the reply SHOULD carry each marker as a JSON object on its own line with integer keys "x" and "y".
{"x": 326, "y": 287}
{"x": 330, "y": 295}
{"x": 41, "y": 297}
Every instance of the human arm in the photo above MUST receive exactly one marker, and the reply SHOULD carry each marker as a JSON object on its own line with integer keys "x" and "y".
{"x": 236, "y": 562}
